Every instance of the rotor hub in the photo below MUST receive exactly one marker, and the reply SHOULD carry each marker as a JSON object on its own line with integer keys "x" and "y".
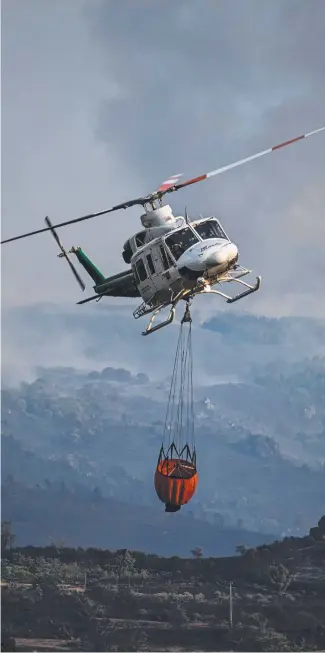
{"x": 161, "y": 215}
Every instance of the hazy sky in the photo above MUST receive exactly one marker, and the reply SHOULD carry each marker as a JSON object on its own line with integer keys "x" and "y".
{"x": 103, "y": 99}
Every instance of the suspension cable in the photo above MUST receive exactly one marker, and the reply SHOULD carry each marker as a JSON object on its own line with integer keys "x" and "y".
{"x": 179, "y": 421}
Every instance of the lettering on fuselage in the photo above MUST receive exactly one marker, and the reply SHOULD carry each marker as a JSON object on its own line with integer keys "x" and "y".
{"x": 207, "y": 247}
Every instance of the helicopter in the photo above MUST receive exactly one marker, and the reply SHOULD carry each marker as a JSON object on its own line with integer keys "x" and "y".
{"x": 172, "y": 258}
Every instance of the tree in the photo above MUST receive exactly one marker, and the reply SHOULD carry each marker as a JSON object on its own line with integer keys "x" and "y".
{"x": 7, "y": 536}
{"x": 281, "y": 576}
{"x": 126, "y": 563}
{"x": 197, "y": 552}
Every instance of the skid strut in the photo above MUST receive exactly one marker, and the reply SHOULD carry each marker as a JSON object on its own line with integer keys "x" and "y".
{"x": 187, "y": 295}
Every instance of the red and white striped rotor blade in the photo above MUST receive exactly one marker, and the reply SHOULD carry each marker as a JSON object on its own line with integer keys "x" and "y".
{"x": 218, "y": 171}
{"x": 171, "y": 181}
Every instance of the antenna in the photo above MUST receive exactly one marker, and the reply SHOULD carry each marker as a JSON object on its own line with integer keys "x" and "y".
{"x": 186, "y": 216}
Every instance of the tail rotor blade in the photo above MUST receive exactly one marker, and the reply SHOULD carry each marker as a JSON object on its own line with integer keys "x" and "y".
{"x": 64, "y": 253}
{"x": 54, "y": 234}
{"x": 75, "y": 273}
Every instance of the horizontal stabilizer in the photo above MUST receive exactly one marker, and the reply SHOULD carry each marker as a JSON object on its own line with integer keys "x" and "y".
{"x": 89, "y": 299}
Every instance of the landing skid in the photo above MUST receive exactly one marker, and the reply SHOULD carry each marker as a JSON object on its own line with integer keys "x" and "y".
{"x": 200, "y": 290}
{"x": 231, "y": 300}
{"x": 150, "y": 329}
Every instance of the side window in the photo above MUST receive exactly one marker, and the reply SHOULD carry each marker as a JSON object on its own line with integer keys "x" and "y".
{"x": 167, "y": 263}
{"x": 141, "y": 270}
{"x": 135, "y": 272}
{"x": 150, "y": 264}
{"x": 127, "y": 253}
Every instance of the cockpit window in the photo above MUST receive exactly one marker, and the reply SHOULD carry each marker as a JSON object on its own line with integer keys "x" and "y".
{"x": 140, "y": 238}
{"x": 210, "y": 229}
{"x": 180, "y": 241}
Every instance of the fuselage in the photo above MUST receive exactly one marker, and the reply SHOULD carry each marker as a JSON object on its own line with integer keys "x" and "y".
{"x": 180, "y": 256}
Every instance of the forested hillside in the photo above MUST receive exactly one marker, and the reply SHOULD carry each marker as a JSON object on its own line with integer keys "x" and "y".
{"x": 58, "y": 598}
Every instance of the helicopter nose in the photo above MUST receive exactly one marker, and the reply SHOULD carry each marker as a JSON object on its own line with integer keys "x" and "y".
{"x": 223, "y": 255}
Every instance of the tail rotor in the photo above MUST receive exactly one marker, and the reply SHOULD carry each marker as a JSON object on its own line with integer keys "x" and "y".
{"x": 64, "y": 254}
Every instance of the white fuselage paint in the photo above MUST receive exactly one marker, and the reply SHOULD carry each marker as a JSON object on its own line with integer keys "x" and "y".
{"x": 208, "y": 255}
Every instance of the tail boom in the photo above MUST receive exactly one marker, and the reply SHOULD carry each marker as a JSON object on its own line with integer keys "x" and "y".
{"x": 88, "y": 265}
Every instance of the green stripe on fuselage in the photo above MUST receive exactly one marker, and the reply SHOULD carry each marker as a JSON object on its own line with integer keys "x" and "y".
{"x": 87, "y": 264}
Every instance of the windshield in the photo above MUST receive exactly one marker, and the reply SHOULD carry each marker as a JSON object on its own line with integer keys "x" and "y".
{"x": 210, "y": 229}
{"x": 180, "y": 241}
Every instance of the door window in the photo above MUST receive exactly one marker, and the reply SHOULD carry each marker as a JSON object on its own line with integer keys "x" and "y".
{"x": 167, "y": 262}
{"x": 141, "y": 270}
{"x": 150, "y": 264}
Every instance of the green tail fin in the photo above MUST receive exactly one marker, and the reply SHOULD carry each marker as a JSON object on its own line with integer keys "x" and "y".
{"x": 86, "y": 263}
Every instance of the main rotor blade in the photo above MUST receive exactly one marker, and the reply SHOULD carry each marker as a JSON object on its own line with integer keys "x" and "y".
{"x": 118, "y": 207}
{"x": 170, "y": 189}
{"x": 218, "y": 171}
{"x": 171, "y": 181}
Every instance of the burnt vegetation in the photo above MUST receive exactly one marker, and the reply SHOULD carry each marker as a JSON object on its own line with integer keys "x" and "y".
{"x": 60, "y": 598}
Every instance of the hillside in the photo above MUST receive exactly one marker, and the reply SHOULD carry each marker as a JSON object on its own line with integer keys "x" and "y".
{"x": 103, "y": 428}
{"x": 59, "y": 598}
{"x": 83, "y": 406}
{"x": 85, "y": 518}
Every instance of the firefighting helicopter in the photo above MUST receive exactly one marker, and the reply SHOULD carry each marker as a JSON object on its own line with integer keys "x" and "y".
{"x": 172, "y": 258}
